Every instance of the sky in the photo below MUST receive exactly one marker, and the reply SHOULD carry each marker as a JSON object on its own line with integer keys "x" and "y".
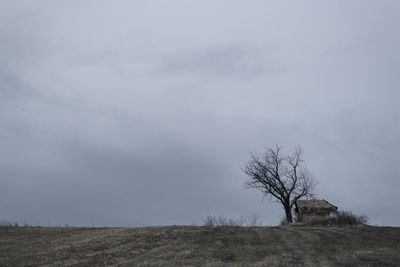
{"x": 139, "y": 113}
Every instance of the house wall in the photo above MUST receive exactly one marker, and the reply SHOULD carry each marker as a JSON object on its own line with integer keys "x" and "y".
{"x": 313, "y": 217}
{"x": 316, "y": 215}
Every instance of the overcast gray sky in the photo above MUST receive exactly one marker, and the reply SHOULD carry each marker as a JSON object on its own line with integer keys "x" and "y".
{"x": 133, "y": 113}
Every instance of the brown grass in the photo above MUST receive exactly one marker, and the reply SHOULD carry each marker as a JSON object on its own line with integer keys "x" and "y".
{"x": 201, "y": 246}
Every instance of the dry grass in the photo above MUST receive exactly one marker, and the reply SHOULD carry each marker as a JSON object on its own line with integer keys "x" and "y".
{"x": 205, "y": 246}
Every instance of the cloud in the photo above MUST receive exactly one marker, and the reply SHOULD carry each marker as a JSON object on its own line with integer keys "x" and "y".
{"x": 239, "y": 61}
{"x": 133, "y": 114}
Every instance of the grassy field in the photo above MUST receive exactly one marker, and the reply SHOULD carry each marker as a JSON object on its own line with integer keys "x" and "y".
{"x": 195, "y": 246}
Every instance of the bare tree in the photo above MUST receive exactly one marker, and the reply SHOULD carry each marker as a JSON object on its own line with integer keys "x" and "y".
{"x": 283, "y": 178}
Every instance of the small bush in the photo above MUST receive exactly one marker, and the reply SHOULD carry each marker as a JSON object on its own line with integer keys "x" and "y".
{"x": 7, "y": 223}
{"x": 349, "y": 218}
{"x": 341, "y": 218}
{"x": 222, "y": 220}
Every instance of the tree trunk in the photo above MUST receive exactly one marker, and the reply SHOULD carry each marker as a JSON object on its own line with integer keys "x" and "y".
{"x": 288, "y": 212}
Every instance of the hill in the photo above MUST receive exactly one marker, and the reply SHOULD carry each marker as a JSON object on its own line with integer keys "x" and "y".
{"x": 190, "y": 245}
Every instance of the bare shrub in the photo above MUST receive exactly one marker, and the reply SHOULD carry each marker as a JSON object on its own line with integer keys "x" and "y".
{"x": 342, "y": 218}
{"x": 27, "y": 224}
{"x": 222, "y": 220}
{"x": 254, "y": 220}
{"x": 209, "y": 221}
{"x": 7, "y": 223}
{"x": 349, "y": 218}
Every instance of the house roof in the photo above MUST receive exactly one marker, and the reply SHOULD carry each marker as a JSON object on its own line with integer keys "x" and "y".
{"x": 315, "y": 203}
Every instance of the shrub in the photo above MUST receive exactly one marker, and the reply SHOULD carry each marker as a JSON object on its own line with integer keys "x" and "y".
{"x": 341, "y": 218}
{"x": 222, "y": 220}
{"x": 349, "y": 218}
{"x": 7, "y": 223}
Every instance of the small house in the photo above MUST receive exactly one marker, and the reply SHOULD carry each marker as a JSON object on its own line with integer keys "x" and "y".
{"x": 314, "y": 209}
